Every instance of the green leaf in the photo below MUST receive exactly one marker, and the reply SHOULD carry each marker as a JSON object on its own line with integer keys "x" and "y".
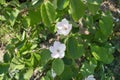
{"x": 46, "y": 78}
{"x": 19, "y": 66}
{"x": 35, "y": 59}
{"x": 23, "y": 35}
{"x": 2, "y": 18}
{"x": 94, "y": 1}
{"x": 7, "y": 57}
{"x": 58, "y": 66}
{"x": 106, "y": 25}
{"x": 33, "y": 46}
{"x": 106, "y": 28}
{"x": 1, "y": 77}
{"x": 2, "y": 1}
{"x": 99, "y": 36}
{"x": 74, "y": 49}
{"x": 13, "y": 16}
{"x": 34, "y": 2}
{"x": 28, "y": 74}
{"x": 67, "y": 61}
{"x": 45, "y": 56}
{"x": 44, "y": 15}
{"x": 77, "y": 9}
{"x": 4, "y": 67}
{"x": 50, "y": 11}
{"x": 34, "y": 16}
{"x": 37, "y": 56}
{"x": 88, "y": 68}
{"x": 67, "y": 73}
{"x": 25, "y": 48}
{"x": 93, "y": 8}
{"x": 62, "y": 4}
{"x": 103, "y": 54}
{"x": 16, "y": 64}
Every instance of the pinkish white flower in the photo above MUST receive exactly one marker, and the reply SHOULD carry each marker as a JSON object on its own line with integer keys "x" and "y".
{"x": 90, "y": 77}
{"x": 53, "y": 73}
{"x": 57, "y": 50}
{"x": 63, "y": 27}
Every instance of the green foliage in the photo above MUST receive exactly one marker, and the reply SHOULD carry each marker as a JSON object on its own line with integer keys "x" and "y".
{"x": 28, "y": 30}
{"x": 45, "y": 56}
{"x": 103, "y": 54}
{"x": 77, "y": 9}
{"x": 4, "y": 68}
{"x": 34, "y": 17}
{"x": 48, "y": 13}
{"x": 58, "y": 68}
{"x": 62, "y": 4}
{"x": 88, "y": 67}
{"x": 75, "y": 50}
{"x": 13, "y": 16}
{"x": 67, "y": 73}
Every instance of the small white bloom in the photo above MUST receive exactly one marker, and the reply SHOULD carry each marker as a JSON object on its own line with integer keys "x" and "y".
{"x": 90, "y": 77}
{"x": 58, "y": 50}
{"x": 63, "y": 27}
{"x": 53, "y": 73}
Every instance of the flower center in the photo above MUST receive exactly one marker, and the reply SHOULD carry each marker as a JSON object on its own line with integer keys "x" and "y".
{"x": 65, "y": 27}
{"x": 58, "y": 50}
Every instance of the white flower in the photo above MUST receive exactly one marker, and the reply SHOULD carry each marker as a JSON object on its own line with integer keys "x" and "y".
{"x": 53, "y": 73}
{"x": 90, "y": 77}
{"x": 63, "y": 27}
{"x": 58, "y": 50}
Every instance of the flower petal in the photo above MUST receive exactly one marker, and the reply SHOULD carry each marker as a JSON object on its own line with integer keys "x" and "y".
{"x": 61, "y": 55}
{"x": 58, "y": 50}
{"x": 56, "y": 44}
{"x": 52, "y": 49}
{"x": 54, "y": 55}
{"x": 59, "y": 25}
{"x": 62, "y": 47}
{"x": 53, "y": 73}
{"x": 65, "y": 21}
{"x": 63, "y": 27}
{"x": 70, "y": 27}
{"x": 90, "y": 76}
{"x": 60, "y": 32}
{"x": 65, "y": 33}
